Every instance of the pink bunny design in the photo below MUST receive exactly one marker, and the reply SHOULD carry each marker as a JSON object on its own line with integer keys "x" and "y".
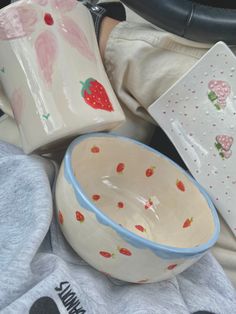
{"x": 219, "y": 92}
{"x": 223, "y": 145}
{"x": 17, "y": 104}
{"x": 23, "y": 19}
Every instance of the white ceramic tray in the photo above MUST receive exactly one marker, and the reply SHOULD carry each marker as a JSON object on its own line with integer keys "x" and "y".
{"x": 198, "y": 113}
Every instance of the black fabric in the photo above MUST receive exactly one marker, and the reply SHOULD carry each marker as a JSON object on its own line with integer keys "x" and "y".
{"x": 3, "y": 3}
{"x": 203, "y": 312}
{"x": 114, "y": 10}
{"x": 162, "y": 143}
{"x": 189, "y": 19}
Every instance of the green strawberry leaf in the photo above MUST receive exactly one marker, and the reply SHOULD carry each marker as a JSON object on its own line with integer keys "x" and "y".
{"x": 217, "y": 106}
{"x": 86, "y": 86}
{"x": 222, "y": 155}
{"x": 46, "y": 116}
{"x": 218, "y": 146}
{"x": 212, "y": 96}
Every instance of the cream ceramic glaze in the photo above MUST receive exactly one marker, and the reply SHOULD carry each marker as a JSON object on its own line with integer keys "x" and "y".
{"x": 51, "y": 72}
{"x": 131, "y": 212}
{"x": 198, "y": 114}
{"x": 133, "y": 127}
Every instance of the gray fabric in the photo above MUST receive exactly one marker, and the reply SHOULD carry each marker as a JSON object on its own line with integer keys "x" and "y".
{"x": 39, "y": 272}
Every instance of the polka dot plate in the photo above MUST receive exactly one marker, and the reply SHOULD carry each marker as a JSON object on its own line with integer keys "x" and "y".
{"x": 198, "y": 113}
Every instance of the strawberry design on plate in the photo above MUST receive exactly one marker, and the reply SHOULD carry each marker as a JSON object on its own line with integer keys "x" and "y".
{"x": 172, "y": 266}
{"x": 120, "y": 167}
{"x": 150, "y": 171}
{"x": 223, "y": 145}
{"x": 180, "y": 185}
{"x": 218, "y": 93}
{"x": 148, "y": 204}
{"x": 120, "y": 205}
{"x": 95, "y": 95}
{"x": 140, "y": 228}
{"x": 79, "y": 216}
{"x": 188, "y": 222}
{"x": 106, "y": 254}
{"x": 124, "y": 251}
{"x": 96, "y": 197}
{"x": 95, "y": 149}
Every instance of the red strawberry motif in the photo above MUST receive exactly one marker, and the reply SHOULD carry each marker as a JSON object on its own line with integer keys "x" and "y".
{"x": 150, "y": 171}
{"x": 172, "y": 266}
{"x": 124, "y": 251}
{"x": 223, "y": 145}
{"x": 188, "y": 222}
{"x": 225, "y": 141}
{"x": 96, "y": 197}
{"x": 48, "y": 19}
{"x": 120, "y": 167}
{"x": 95, "y": 95}
{"x": 226, "y": 154}
{"x": 180, "y": 185}
{"x": 219, "y": 93}
{"x": 140, "y": 228}
{"x": 120, "y": 204}
{"x": 148, "y": 204}
{"x": 79, "y": 216}
{"x": 60, "y": 217}
{"x": 95, "y": 149}
{"x": 106, "y": 254}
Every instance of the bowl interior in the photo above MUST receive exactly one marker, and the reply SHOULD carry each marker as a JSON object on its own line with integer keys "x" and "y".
{"x": 143, "y": 191}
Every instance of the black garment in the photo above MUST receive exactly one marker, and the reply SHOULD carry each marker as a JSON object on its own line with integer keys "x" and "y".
{"x": 3, "y": 3}
{"x": 203, "y": 312}
{"x": 162, "y": 143}
{"x": 114, "y": 10}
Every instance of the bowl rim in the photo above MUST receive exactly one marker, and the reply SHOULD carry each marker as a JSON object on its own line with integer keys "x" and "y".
{"x": 185, "y": 252}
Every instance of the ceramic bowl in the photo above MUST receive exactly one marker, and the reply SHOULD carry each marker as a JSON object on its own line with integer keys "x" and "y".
{"x": 129, "y": 211}
{"x": 198, "y": 114}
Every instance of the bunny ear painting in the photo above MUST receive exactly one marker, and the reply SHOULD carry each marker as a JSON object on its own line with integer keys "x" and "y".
{"x": 23, "y": 20}
{"x": 23, "y": 23}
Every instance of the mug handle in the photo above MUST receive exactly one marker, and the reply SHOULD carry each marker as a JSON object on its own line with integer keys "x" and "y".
{"x": 4, "y": 103}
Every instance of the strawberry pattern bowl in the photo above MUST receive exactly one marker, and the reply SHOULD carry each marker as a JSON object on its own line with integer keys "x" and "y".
{"x": 129, "y": 211}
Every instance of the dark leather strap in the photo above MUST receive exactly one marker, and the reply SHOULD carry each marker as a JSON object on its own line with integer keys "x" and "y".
{"x": 189, "y": 19}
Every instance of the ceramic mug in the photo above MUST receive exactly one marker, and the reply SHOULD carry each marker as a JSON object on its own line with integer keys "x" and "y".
{"x": 52, "y": 73}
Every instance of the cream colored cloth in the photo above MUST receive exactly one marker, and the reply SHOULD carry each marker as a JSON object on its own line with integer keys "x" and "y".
{"x": 225, "y": 251}
{"x": 142, "y": 63}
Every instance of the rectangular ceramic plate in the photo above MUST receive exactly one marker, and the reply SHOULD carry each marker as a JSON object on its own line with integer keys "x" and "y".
{"x": 198, "y": 113}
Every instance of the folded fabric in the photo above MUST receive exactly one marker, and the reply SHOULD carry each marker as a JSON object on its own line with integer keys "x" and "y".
{"x": 40, "y": 273}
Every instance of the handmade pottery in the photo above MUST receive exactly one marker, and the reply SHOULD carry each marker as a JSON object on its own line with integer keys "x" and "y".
{"x": 198, "y": 114}
{"x": 131, "y": 212}
{"x": 52, "y": 73}
{"x": 133, "y": 127}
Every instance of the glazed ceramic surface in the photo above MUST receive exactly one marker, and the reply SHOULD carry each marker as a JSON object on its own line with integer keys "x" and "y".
{"x": 199, "y": 115}
{"x": 131, "y": 212}
{"x": 133, "y": 127}
{"x": 51, "y": 71}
